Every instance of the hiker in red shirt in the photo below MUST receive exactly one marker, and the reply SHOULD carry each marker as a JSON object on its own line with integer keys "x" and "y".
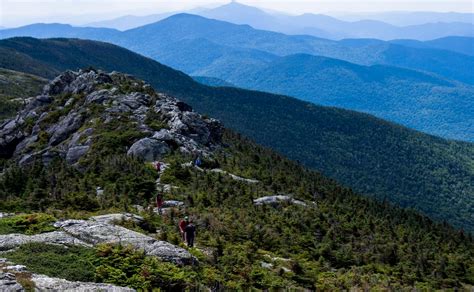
{"x": 182, "y": 226}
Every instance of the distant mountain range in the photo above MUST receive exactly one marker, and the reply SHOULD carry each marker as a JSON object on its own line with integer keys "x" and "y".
{"x": 163, "y": 38}
{"x": 374, "y": 157}
{"x": 129, "y": 21}
{"x": 262, "y": 60}
{"x": 49, "y": 30}
{"x": 463, "y": 45}
{"x": 404, "y": 18}
{"x": 385, "y": 26}
{"x": 329, "y": 27}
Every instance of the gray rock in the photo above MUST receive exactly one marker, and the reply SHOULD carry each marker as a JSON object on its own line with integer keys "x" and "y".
{"x": 23, "y": 145}
{"x": 5, "y": 215}
{"x": 77, "y": 136}
{"x": 45, "y": 283}
{"x": 75, "y": 153}
{"x": 76, "y": 82}
{"x": 266, "y": 265}
{"x": 93, "y": 232}
{"x": 172, "y": 203}
{"x": 99, "y": 96}
{"x": 44, "y": 99}
{"x": 65, "y": 127}
{"x": 111, "y": 218}
{"x": 12, "y": 241}
{"x": 26, "y": 159}
{"x": 16, "y": 268}
{"x": 8, "y": 283}
{"x": 149, "y": 149}
{"x": 48, "y": 156}
{"x": 235, "y": 177}
{"x": 135, "y": 100}
{"x": 10, "y": 136}
{"x": 163, "y": 135}
{"x": 276, "y": 200}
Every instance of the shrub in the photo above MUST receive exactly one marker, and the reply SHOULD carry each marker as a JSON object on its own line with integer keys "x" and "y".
{"x": 73, "y": 263}
{"x": 27, "y": 224}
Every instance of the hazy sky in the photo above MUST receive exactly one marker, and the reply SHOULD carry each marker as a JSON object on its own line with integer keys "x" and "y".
{"x": 20, "y": 12}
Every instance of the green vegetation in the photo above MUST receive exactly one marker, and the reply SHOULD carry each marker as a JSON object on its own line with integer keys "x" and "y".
{"x": 27, "y": 224}
{"x": 340, "y": 241}
{"x": 125, "y": 267}
{"x": 14, "y": 84}
{"x": 73, "y": 263}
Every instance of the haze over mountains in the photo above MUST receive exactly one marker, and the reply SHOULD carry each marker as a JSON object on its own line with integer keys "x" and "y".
{"x": 329, "y": 27}
{"x": 385, "y": 26}
{"x": 403, "y": 18}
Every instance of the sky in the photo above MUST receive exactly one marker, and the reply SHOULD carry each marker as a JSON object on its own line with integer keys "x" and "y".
{"x": 20, "y": 12}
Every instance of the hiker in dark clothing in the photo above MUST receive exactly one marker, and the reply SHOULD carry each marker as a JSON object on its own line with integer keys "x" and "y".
{"x": 159, "y": 202}
{"x": 190, "y": 233}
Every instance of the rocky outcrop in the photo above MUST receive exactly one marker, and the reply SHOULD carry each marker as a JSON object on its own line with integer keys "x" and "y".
{"x": 149, "y": 149}
{"x": 45, "y": 283}
{"x": 221, "y": 171}
{"x": 98, "y": 230}
{"x": 277, "y": 200}
{"x": 9, "y": 283}
{"x": 9, "y": 274}
{"x": 95, "y": 232}
{"x": 235, "y": 177}
{"x": 66, "y": 119}
{"x": 12, "y": 241}
{"x": 118, "y": 217}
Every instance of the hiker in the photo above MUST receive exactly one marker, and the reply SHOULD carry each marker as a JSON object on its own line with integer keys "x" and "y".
{"x": 159, "y": 202}
{"x": 182, "y": 226}
{"x": 157, "y": 166}
{"x": 197, "y": 162}
{"x": 190, "y": 233}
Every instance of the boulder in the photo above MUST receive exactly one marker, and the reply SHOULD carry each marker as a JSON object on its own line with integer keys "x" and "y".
{"x": 68, "y": 125}
{"x": 5, "y": 215}
{"x": 94, "y": 232}
{"x": 75, "y": 153}
{"x": 98, "y": 96}
{"x": 12, "y": 241}
{"x": 235, "y": 177}
{"x": 172, "y": 203}
{"x": 163, "y": 135}
{"x": 112, "y": 218}
{"x": 276, "y": 200}
{"x": 8, "y": 283}
{"x": 45, "y": 283}
{"x": 149, "y": 149}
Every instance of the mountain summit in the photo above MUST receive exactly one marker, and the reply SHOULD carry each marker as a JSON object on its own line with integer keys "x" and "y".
{"x": 83, "y": 110}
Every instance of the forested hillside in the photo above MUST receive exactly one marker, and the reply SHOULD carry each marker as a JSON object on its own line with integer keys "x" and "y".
{"x": 420, "y": 101}
{"x": 372, "y": 156}
{"x": 319, "y": 235}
